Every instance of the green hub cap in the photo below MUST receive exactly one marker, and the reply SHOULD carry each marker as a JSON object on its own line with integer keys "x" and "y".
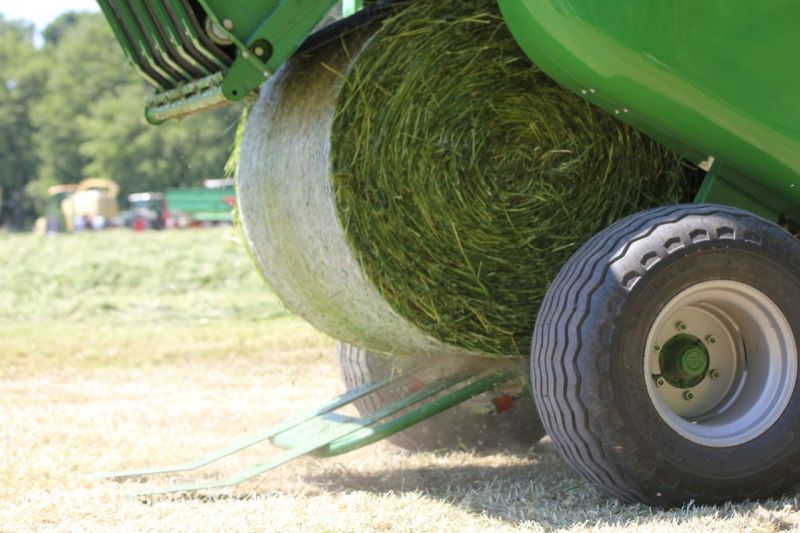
{"x": 684, "y": 361}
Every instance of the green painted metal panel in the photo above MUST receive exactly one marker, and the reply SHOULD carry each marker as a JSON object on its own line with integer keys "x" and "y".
{"x": 709, "y": 78}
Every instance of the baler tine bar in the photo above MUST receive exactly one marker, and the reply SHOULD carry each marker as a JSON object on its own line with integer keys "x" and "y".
{"x": 337, "y": 432}
{"x": 336, "y": 403}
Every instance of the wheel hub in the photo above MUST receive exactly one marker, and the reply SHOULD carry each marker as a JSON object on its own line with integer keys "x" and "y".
{"x": 720, "y": 363}
{"x": 684, "y": 361}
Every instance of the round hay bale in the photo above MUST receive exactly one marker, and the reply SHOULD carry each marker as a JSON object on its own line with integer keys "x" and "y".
{"x": 416, "y": 186}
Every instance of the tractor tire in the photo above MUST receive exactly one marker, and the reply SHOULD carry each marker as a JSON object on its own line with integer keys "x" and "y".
{"x": 665, "y": 357}
{"x": 466, "y": 426}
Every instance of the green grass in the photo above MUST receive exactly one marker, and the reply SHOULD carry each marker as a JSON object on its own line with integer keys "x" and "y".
{"x": 125, "y": 276}
{"x": 75, "y": 299}
{"x": 85, "y": 391}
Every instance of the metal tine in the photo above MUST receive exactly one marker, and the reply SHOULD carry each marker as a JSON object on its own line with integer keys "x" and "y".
{"x": 336, "y": 403}
{"x": 335, "y": 432}
{"x": 155, "y": 40}
{"x": 169, "y": 34}
{"x": 129, "y": 47}
{"x": 140, "y": 46}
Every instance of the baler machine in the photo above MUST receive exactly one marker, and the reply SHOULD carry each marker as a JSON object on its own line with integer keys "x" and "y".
{"x": 664, "y": 357}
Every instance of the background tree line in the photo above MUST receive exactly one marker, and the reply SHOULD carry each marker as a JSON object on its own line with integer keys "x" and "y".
{"x": 73, "y": 108}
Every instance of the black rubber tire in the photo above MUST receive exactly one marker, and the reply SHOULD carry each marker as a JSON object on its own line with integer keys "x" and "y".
{"x": 589, "y": 340}
{"x": 463, "y": 427}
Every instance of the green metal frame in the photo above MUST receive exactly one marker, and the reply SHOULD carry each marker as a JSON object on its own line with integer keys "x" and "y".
{"x": 323, "y": 432}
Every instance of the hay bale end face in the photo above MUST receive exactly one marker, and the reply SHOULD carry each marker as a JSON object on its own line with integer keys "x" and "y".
{"x": 439, "y": 183}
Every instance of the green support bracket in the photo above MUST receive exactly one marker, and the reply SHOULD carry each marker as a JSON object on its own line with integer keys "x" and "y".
{"x": 718, "y": 190}
{"x": 262, "y": 51}
{"x": 324, "y": 432}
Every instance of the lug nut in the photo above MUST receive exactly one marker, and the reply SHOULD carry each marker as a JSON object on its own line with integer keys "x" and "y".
{"x": 657, "y": 348}
{"x": 688, "y": 395}
{"x": 660, "y": 382}
{"x": 681, "y": 326}
{"x": 711, "y": 339}
{"x": 713, "y": 373}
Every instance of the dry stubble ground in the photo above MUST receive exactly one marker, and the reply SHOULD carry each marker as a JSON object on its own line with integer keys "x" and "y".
{"x": 124, "y": 350}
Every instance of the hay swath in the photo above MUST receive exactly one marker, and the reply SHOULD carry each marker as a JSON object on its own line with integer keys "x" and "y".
{"x": 432, "y": 181}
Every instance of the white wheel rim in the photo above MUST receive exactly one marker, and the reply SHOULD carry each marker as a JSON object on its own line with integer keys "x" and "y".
{"x": 751, "y": 356}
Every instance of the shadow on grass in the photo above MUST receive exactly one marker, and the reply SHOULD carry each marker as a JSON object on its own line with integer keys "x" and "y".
{"x": 542, "y": 489}
{"x": 537, "y": 487}
{"x": 534, "y": 488}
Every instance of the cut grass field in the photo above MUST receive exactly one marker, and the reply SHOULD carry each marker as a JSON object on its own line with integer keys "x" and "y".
{"x": 127, "y": 350}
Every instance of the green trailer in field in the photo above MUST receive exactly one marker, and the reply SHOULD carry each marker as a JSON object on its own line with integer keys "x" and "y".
{"x": 664, "y": 358}
{"x": 200, "y": 205}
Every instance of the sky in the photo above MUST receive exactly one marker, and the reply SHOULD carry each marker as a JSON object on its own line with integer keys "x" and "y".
{"x": 42, "y": 12}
